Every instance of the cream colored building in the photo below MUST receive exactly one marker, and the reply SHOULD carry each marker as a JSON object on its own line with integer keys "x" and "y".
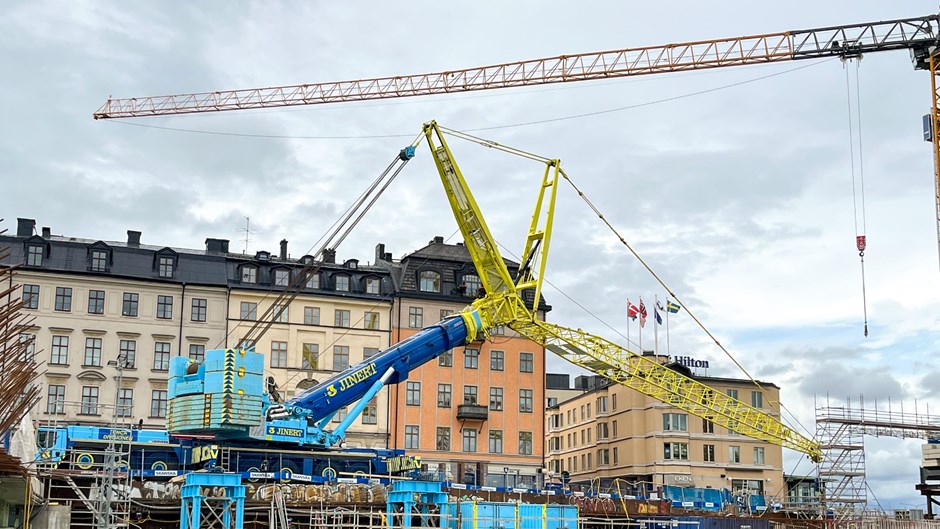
{"x": 613, "y": 432}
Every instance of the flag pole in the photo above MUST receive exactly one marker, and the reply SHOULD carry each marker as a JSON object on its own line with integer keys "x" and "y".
{"x": 655, "y": 323}
{"x": 641, "y": 327}
{"x": 628, "y": 323}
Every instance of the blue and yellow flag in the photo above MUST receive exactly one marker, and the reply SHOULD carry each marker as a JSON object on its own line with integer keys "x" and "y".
{"x": 672, "y": 306}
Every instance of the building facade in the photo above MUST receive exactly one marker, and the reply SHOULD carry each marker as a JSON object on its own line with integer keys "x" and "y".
{"x": 476, "y": 414}
{"x": 612, "y": 432}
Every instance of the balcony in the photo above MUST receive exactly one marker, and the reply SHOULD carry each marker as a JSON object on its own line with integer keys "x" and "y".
{"x": 472, "y": 412}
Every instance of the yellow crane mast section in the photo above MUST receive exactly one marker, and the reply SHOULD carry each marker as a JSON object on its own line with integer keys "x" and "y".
{"x": 503, "y": 304}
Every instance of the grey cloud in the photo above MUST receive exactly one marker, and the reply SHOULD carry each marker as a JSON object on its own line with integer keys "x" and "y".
{"x": 839, "y": 380}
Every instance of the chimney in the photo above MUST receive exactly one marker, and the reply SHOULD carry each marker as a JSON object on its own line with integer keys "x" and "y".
{"x": 133, "y": 238}
{"x": 283, "y": 249}
{"x": 46, "y": 232}
{"x": 437, "y": 240}
{"x": 379, "y": 252}
{"x": 25, "y": 227}
{"x": 329, "y": 255}
{"x": 216, "y": 245}
{"x": 388, "y": 256}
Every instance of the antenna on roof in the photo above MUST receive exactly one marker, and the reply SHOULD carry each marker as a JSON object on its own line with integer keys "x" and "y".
{"x": 247, "y": 233}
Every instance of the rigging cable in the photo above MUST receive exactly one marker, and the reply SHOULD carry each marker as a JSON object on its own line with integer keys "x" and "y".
{"x": 860, "y": 238}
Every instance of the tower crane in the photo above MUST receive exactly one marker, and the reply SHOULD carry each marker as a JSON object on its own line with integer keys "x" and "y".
{"x": 503, "y": 302}
{"x": 919, "y": 35}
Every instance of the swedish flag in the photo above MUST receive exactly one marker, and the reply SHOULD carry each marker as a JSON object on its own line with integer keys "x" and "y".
{"x": 672, "y": 306}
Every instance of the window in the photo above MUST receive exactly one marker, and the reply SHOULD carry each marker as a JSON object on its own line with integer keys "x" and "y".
{"x": 371, "y": 320}
{"x": 613, "y": 402}
{"x": 469, "y": 440}
{"x": 249, "y": 274}
{"x": 709, "y": 453}
{"x": 197, "y": 352}
{"x": 496, "y": 399}
{"x": 472, "y": 284}
{"x": 372, "y": 285}
{"x": 757, "y": 399}
{"x": 589, "y": 430}
{"x": 161, "y": 356}
{"x": 165, "y": 307}
{"x": 442, "y": 441}
{"x": 31, "y": 296}
{"x": 29, "y": 351}
{"x": 601, "y": 405}
{"x": 413, "y": 394}
{"x": 249, "y": 311}
{"x": 311, "y": 315}
{"x": 525, "y": 443}
{"x": 446, "y": 359}
{"x": 34, "y": 254}
{"x": 127, "y": 354}
{"x": 497, "y": 359}
{"x": 525, "y": 363}
{"x": 55, "y": 399}
{"x": 443, "y": 395}
{"x": 552, "y": 401}
{"x": 129, "y": 305}
{"x": 60, "y": 350}
{"x": 411, "y": 437}
{"x": 603, "y": 457}
{"x": 469, "y": 394}
{"x": 200, "y": 308}
{"x": 281, "y": 277}
{"x": 525, "y": 400}
{"x": 471, "y": 358}
{"x": 125, "y": 403}
{"x": 63, "y": 299}
{"x": 445, "y": 313}
{"x": 311, "y": 356}
{"x": 496, "y": 441}
{"x": 341, "y": 414}
{"x": 615, "y": 455}
{"x": 369, "y": 352}
{"x": 708, "y": 426}
{"x": 99, "y": 261}
{"x": 342, "y": 283}
{"x": 614, "y": 428}
{"x": 158, "y": 403}
{"x": 96, "y": 302}
{"x": 313, "y": 281}
{"x": 758, "y": 454}
{"x": 280, "y": 313}
{"x": 732, "y": 427}
{"x": 602, "y": 431}
{"x": 499, "y": 330}
{"x": 429, "y": 281}
{"x": 370, "y": 413}
{"x": 675, "y": 422}
{"x": 734, "y": 454}
{"x": 89, "y": 400}
{"x": 340, "y": 357}
{"x": 165, "y": 267}
{"x": 590, "y": 465}
{"x": 678, "y": 451}
{"x": 92, "y": 352}
{"x": 278, "y": 354}
{"x": 733, "y": 393}
{"x": 588, "y": 411}
{"x": 415, "y": 317}
{"x": 341, "y": 318}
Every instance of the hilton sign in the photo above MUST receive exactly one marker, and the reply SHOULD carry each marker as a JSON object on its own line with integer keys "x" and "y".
{"x": 688, "y": 361}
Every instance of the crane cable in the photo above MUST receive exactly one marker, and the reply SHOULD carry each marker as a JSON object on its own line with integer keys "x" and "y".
{"x": 860, "y": 238}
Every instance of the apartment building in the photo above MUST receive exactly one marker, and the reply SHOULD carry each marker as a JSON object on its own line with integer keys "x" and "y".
{"x": 340, "y": 317}
{"x": 108, "y": 316}
{"x": 611, "y": 432}
{"x": 476, "y": 414}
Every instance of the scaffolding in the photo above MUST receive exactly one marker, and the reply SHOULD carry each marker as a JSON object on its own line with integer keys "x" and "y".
{"x": 841, "y": 431}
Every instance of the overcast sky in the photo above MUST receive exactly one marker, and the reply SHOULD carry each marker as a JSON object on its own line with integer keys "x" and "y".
{"x": 740, "y": 198}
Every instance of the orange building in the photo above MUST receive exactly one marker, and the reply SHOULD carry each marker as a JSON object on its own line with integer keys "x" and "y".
{"x": 475, "y": 415}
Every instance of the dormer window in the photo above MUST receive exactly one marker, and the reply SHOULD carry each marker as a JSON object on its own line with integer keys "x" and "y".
{"x": 342, "y": 283}
{"x": 313, "y": 281}
{"x": 281, "y": 277}
{"x": 165, "y": 267}
{"x": 263, "y": 256}
{"x": 249, "y": 274}
{"x": 429, "y": 281}
{"x": 34, "y": 254}
{"x": 373, "y": 285}
{"x": 470, "y": 285}
{"x": 99, "y": 261}
{"x": 306, "y": 259}
{"x": 352, "y": 263}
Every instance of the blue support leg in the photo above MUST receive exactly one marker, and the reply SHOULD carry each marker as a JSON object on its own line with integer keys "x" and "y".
{"x": 340, "y": 432}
